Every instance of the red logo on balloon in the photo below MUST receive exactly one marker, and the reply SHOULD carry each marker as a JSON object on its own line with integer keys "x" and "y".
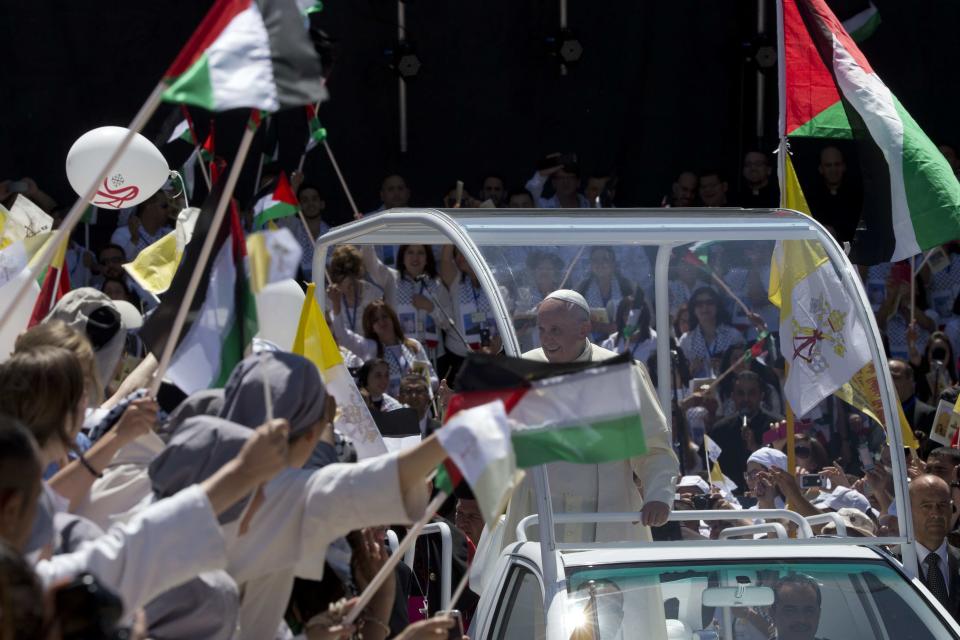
{"x": 117, "y": 197}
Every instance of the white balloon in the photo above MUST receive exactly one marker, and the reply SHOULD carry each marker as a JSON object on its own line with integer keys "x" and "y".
{"x": 139, "y": 173}
{"x": 278, "y": 312}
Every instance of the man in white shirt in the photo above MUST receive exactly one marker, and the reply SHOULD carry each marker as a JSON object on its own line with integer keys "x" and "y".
{"x": 151, "y": 223}
{"x": 938, "y": 564}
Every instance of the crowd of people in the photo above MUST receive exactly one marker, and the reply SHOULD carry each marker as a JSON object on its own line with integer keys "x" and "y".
{"x": 285, "y": 524}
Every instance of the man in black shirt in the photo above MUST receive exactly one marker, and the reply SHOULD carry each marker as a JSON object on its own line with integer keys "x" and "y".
{"x": 736, "y": 442}
{"x": 758, "y": 192}
{"x": 836, "y": 202}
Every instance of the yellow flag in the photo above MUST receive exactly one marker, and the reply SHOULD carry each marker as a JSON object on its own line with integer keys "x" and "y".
{"x": 259, "y": 261}
{"x": 798, "y": 258}
{"x": 909, "y": 440}
{"x": 154, "y": 267}
{"x": 314, "y": 340}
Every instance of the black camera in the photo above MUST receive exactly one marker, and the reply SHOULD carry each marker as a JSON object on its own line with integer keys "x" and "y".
{"x": 87, "y": 610}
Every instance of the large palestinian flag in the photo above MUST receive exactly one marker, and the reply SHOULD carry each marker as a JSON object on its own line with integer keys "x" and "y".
{"x": 247, "y": 53}
{"x": 911, "y": 197}
{"x": 223, "y": 316}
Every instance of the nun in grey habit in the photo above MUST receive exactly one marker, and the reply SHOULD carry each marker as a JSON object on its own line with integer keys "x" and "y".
{"x": 294, "y": 518}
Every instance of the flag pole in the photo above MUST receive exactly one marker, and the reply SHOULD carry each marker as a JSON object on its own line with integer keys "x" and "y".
{"x": 913, "y": 292}
{"x": 386, "y": 571}
{"x": 343, "y": 183}
{"x": 196, "y": 145}
{"x": 80, "y": 205}
{"x": 204, "y": 257}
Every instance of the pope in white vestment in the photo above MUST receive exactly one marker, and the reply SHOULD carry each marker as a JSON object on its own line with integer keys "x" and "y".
{"x": 644, "y": 484}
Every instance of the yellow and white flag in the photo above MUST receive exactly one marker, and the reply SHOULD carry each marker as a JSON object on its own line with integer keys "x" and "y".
{"x": 315, "y": 342}
{"x": 822, "y": 338}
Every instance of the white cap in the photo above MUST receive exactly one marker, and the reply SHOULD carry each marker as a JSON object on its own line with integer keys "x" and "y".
{"x": 694, "y": 481}
{"x": 569, "y": 296}
{"x": 769, "y": 457}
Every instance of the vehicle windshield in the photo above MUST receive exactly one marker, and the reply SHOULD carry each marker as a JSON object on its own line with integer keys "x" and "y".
{"x": 726, "y": 383}
{"x": 727, "y": 363}
{"x": 748, "y": 600}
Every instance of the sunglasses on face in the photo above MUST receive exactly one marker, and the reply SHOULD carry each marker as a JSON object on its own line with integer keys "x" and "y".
{"x": 802, "y": 452}
{"x": 704, "y": 303}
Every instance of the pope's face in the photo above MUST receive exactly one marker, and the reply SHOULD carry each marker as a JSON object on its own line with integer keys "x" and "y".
{"x": 562, "y": 331}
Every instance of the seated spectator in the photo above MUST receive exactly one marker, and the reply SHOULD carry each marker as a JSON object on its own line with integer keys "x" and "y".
{"x": 713, "y": 188}
{"x": 415, "y": 393}
{"x": 772, "y": 393}
{"x": 603, "y": 289}
{"x": 349, "y": 293}
{"x": 759, "y": 191}
{"x": 710, "y": 334}
{"x": 811, "y": 456}
{"x": 741, "y": 434}
{"x": 919, "y": 414}
{"x": 117, "y": 289}
{"x": 383, "y": 338}
{"x": 493, "y": 188}
{"x": 764, "y": 467}
{"x": 373, "y": 379}
{"x": 856, "y": 522}
{"x": 683, "y": 193}
{"x": 565, "y": 180}
{"x": 153, "y": 219}
{"x": 894, "y": 319}
{"x": 520, "y": 199}
{"x": 601, "y": 189}
{"x": 936, "y": 370}
{"x": 633, "y": 334}
{"x": 313, "y": 206}
{"x": 685, "y": 278}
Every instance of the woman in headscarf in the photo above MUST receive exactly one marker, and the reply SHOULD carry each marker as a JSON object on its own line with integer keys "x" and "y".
{"x": 291, "y": 522}
{"x": 412, "y": 289}
{"x": 384, "y": 338}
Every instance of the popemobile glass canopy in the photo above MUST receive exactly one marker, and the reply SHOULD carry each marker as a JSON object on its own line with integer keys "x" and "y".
{"x": 640, "y": 271}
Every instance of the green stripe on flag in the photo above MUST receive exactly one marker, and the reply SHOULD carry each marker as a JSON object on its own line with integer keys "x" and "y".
{"x": 830, "y": 123}
{"x": 193, "y": 86}
{"x": 442, "y": 481}
{"x": 932, "y": 190}
{"x": 603, "y": 441}
{"x": 279, "y": 210}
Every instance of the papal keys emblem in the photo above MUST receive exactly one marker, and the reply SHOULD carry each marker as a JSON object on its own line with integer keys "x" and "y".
{"x": 809, "y": 342}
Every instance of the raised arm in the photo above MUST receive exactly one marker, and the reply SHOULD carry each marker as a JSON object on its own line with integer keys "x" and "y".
{"x": 449, "y": 271}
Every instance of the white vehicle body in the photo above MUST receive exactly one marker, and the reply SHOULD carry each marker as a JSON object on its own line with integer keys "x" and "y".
{"x": 661, "y": 231}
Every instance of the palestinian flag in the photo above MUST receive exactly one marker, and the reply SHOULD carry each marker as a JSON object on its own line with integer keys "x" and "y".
{"x": 183, "y": 132}
{"x": 279, "y": 204}
{"x": 911, "y": 197}
{"x": 54, "y": 284}
{"x": 478, "y": 443}
{"x": 317, "y": 133}
{"x": 860, "y": 18}
{"x": 223, "y": 316}
{"x": 581, "y": 412}
{"x": 247, "y": 53}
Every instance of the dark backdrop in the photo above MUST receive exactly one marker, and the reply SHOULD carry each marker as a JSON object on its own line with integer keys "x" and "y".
{"x": 662, "y": 86}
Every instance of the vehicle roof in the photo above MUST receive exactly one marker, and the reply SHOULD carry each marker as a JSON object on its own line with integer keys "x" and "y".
{"x": 715, "y": 552}
{"x": 591, "y": 226}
